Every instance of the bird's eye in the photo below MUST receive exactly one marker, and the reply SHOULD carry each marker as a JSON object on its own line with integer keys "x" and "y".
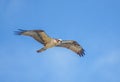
{"x": 60, "y": 41}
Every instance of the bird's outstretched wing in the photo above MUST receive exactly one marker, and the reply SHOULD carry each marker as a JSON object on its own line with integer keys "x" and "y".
{"x": 38, "y": 35}
{"x": 72, "y": 45}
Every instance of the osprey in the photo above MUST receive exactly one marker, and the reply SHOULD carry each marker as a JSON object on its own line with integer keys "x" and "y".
{"x": 49, "y": 42}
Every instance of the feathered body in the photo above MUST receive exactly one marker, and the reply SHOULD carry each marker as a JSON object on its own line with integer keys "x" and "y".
{"x": 49, "y": 42}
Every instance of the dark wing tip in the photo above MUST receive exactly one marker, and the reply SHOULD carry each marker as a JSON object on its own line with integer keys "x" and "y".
{"x": 19, "y": 32}
{"x": 81, "y": 53}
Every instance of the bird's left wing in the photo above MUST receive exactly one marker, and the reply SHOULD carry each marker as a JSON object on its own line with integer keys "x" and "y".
{"x": 38, "y": 35}
{"x": 72, "y": 45}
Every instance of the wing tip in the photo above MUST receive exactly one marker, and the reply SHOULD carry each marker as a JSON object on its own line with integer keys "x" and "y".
{"x": 81, "y": 53}
{"x": 19, "y": 32}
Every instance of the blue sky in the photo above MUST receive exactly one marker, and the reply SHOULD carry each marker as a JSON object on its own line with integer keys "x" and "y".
{"x": 95, "y": 24}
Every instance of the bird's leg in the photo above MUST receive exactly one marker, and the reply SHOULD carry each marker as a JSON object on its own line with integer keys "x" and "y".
{"x": 42, "y": 49}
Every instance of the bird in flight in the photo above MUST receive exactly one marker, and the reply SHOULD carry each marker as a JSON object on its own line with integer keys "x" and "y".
{"x": 49, "y": 42}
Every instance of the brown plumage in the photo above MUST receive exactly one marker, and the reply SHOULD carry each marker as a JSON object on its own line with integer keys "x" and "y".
{"x": 49, "y": 42}
{"x": 72, "y": 45}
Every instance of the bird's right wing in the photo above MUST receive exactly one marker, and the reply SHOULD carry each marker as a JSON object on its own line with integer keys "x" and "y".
{"x": 72, "y": 45}
{"x": 38, "y": 35}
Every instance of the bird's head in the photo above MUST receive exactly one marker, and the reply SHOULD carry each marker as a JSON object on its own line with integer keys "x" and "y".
{"x": 58, "y": 41}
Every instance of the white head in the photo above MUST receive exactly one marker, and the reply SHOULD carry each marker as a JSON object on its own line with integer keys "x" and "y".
{"x": 58, "y": 41}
